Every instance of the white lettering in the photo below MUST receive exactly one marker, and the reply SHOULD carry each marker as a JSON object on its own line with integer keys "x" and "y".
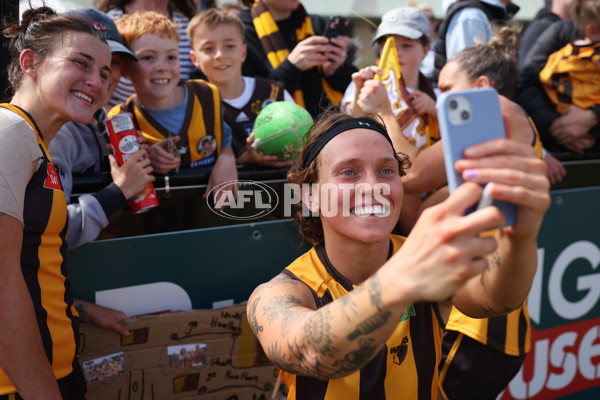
{"x": 590, "y": 283}
{"x": 587, "y": 350}
{"x": 559, "y": 358}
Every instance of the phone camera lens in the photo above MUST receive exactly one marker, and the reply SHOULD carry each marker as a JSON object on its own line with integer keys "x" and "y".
{"x": 453, "y": 104}
{"x": 465, "y": 115}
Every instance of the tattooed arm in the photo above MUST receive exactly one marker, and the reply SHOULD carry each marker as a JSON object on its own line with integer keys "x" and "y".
{"x": 327, "y": 343}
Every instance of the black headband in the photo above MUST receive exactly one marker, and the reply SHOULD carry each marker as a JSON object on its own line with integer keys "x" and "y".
{"x": 356, "y": 123}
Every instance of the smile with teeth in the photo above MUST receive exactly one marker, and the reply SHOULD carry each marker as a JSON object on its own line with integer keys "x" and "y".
{"x": 160, "y": 81}
{"x": 83, "y": 96}
{"x": 376, "y": 210}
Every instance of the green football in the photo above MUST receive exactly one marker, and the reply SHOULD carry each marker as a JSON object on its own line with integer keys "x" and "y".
{"x": 280, "y": 129}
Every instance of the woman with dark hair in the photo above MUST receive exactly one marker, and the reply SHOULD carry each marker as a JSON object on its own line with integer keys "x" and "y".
{"x": 286, "y": 44}
{"x": 178, "y": 11}
{"x": 361, "y": 314}
{"x": 59, "y": 73}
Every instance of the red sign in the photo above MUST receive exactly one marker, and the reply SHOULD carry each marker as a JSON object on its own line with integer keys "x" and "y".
{"x": 563, "y": 360}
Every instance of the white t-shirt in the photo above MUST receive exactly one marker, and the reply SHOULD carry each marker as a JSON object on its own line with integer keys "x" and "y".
{"x": 20, "y": 156}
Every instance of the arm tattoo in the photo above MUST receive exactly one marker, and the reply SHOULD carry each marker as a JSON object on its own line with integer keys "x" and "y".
{"x": 370, "y": 324}
{"x": 279, "y": 307}
{"x": 375, "y": 293}
{"x": 279, "y": 280}
{"x": 252, "y": 320}
{"x": 357, "y": 358}
{"x": 494, "y": 260}
{"x": 347, "y": 305}
{"x": 318, "y": 332}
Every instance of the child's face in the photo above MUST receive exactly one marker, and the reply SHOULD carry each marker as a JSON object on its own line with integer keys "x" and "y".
{"x": 452, "y": 78}
{"x": 219, "y": 52}
{"x": 410, "y": 54}
{"x": 116, "y": 63}
{"x": 156, "y": 74}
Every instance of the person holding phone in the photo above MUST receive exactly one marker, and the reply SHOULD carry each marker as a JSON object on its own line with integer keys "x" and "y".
{"x": 361, "y": 313}
{"x": 314, "y": 69}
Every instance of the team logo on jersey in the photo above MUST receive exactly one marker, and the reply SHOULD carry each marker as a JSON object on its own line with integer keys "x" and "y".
{"x": 399, "y": 352}
{"x": 206, "y": 146}
{"x": 242, "y": 117}
{"x": 52, "y": 181}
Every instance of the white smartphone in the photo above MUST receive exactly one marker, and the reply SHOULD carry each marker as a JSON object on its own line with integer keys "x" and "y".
{"x": 466, "y": 118}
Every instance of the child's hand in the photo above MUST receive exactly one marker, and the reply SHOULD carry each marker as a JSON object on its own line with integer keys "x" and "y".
{"x": 555, "y": 171}
{"x": 163, "y": 161}
{"x": 373, "y": 98}
{"x": 423, "y": 104}
{"x": 253, "y": 156}
{"x": 134, "y": 175}
{"x": 359, "y": 78}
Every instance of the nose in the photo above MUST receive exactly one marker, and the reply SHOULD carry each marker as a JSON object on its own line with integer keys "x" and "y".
{"x": 98, "y": 84}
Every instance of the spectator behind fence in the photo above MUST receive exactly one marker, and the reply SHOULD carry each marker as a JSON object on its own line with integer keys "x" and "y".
{"x": 286, "y": 44}
{"x": 555, "y": 11}
{"x": 178, "y": 11}
{"x": 576, "y": 124}
{"x": 218, "y": 49}
{"x": 184, "y": 117}
{"x": 59, "y": 71}
{"x": 467, "y": 21}
{"x": 571, "y": 77}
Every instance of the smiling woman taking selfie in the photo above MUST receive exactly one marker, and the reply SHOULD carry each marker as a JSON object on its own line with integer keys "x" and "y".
{"x": 58, "y": 72}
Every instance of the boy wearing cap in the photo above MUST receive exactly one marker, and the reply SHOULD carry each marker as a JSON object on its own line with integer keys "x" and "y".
{"x": 82, "y": 148}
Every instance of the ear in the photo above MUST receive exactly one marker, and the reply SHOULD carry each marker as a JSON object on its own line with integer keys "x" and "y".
{"x": 482, "y": 81}
{"x": 193, "y": 58}
{"x": 310, "y": 197}
{"x": 28, "y": 60}
{"x": 426, "y": 49}
{"x": 245, "y": 48}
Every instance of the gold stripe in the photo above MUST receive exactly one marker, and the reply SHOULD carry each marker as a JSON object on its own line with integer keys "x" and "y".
{"x": 449, "y": 360}
{"x": 277, "y": 57}
{"x": 218, "y": 119}
{"x": 265, "y": 25}
{"x": 52, "y": 288}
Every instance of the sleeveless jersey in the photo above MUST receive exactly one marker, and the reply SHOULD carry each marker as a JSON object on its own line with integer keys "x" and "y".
{"x": 572, "y": 76}
{"x": 42, "y": 263}
{"x": 201, "y": 133}
{"x": 406, "y": 366}
{"x": 241, "y": 120}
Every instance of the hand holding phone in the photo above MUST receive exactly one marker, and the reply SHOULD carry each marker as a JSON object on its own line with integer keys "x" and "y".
{"x": 466, "y": 118}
